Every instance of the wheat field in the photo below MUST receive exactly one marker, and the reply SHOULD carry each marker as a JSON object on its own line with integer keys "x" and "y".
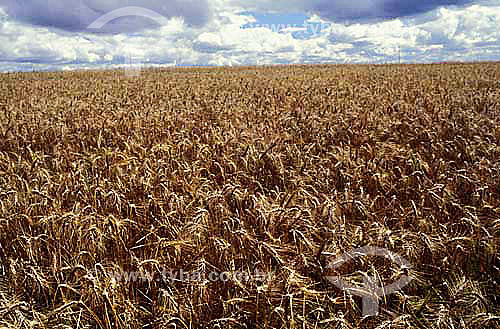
{"x": 272, "y": 170}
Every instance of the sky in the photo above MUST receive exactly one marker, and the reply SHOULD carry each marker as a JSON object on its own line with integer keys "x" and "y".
{"x": 90, "y": 34}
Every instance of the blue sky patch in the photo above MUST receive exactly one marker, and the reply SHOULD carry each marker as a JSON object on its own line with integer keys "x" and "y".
{"x": 282, "y": 23}
{"x": 285, "y": 19}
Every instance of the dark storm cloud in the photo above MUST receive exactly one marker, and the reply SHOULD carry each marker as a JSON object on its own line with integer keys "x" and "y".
{"x": 77, "y": 15}
{"x": 373, "y": 10}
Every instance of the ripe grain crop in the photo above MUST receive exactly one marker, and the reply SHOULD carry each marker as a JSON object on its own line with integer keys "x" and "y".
{"x": 277, "y": 170}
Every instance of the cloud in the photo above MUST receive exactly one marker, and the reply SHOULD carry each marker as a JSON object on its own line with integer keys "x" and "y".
{"x": 207, "y": 47}
{"x": 368, "y": 10}
{"x": 349, "y": 11}
{"x": 447, "y": 34}
{"x": 77, "y": 15}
